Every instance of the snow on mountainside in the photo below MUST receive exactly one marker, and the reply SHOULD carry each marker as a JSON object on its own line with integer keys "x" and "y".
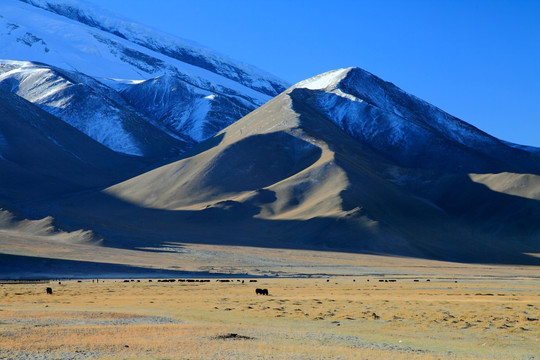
{"x": 163, "y": 43}
{"x": 179, "y": 106}
{"x": 531, "y": 149}
{"x": 87, "y": 105}
{"x": 189, "y": 86}
{"x": 400, "y": 125}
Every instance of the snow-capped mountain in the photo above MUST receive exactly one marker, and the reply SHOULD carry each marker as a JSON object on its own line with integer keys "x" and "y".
{"x": 89, "y": 106}
{"x": 343, "y": 160}
{"x": 175, "y": 86}
{"x": 173, "y": 47}
{"x": 179, "y": 106}
{"x": 403, "y": 127}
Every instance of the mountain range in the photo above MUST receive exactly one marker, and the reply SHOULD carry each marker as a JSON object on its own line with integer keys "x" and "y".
{"x": 146, "y": 93}
{"x": 146, "y": 139}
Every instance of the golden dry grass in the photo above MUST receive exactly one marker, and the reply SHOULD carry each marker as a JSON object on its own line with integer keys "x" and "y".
{"x": 301, "y": 319}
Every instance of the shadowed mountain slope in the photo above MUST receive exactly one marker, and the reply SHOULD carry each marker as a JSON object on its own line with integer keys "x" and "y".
{"x": 42, "y": 156}
{"x": 89, "y": 106}
{"x": 299, "y": 173}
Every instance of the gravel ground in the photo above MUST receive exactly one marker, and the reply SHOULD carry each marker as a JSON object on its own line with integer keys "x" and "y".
{"x": 151, "y": 320}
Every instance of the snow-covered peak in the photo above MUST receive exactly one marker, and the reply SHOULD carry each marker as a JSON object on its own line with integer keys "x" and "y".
{"x": 180, "y": 49}
{"x": 403, "y": 110}
{"x": 398, "y": 124}
{"x": 186, "y": 91}
{"x": 325, "y": 81}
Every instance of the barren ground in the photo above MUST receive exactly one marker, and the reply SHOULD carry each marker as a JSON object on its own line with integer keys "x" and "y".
{"x": 492, "y": 315}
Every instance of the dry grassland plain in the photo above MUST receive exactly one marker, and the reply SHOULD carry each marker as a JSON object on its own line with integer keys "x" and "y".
{"x": 353, "y": 317}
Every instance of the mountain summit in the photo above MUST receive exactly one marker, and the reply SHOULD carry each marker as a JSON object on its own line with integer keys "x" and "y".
{"x": 405, "y": 128}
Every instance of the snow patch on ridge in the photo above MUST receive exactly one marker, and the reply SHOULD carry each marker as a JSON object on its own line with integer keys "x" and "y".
{"x": 327, "y": 80}
{"x": 384, "y": 110}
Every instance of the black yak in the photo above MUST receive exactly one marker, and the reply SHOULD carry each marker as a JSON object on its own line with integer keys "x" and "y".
{"x": 261, "y": 291}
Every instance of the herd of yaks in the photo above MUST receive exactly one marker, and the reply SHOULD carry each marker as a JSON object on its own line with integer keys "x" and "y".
{"x": 257, "y": 291}
{"x": 189, "y": 280}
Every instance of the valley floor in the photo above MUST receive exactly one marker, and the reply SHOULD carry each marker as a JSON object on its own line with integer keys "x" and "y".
{"x": 445, "y": 316}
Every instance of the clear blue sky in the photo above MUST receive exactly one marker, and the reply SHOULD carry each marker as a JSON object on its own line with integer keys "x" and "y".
{"x": 477, "y": 60}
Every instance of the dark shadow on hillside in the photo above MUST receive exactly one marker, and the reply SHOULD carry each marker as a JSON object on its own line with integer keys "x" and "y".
{"x": 476, "y": 226}
{"x": 259, "y": 161}
{"x": 129, "y": 226}
{"x": 203, "y": 146}
{"x": 509, "y": 216}
{"x": 27, "y": 267}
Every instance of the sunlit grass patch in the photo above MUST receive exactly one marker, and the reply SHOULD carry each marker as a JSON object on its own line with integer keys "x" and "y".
{"x": 300, "y": 319}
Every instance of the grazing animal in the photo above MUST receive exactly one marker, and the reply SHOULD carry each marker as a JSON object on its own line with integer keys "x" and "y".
{"x": 49, "y": 291}
{"x": 261, "y": 291}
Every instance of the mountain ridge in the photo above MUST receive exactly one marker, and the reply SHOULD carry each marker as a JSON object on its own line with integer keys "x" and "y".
{"x": 409, "y": 133}
{"x": 94, "y": 49}
{"x": 132, "y": 32}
